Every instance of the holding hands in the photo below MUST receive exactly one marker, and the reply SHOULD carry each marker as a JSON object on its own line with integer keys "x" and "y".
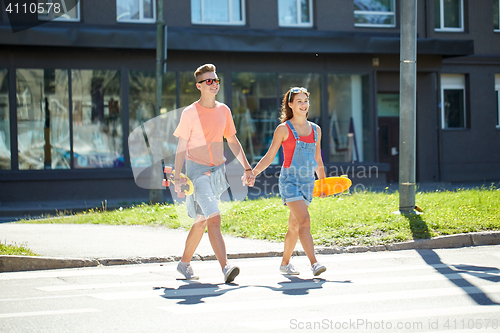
{"x": 248, "y": 178}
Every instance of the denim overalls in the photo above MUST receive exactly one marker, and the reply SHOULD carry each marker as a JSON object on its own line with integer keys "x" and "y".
{"x": 297, "y": 181}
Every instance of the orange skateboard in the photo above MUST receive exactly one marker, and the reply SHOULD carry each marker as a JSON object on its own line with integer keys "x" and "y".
{"x": 186, "y": 184}
{"x": 331, "y": 185}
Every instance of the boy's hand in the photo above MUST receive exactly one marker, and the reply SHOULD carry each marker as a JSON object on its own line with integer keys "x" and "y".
{"x": 248, "y": 178}
{"x": 178, "y": 188}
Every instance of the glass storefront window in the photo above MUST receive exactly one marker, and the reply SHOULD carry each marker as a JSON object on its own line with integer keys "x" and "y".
{"x": 349, "y": 125}
{"x": 5, "y": 157}
{"x": 43, "y": 119}
{"x": 142, "y": 101}
{"x": 255, "y": 112}
{"x": 97, "y": 119}
{"x": 142, "y": 97}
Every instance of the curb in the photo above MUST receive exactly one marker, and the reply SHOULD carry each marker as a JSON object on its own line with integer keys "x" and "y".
{"x": 30, "y": 263}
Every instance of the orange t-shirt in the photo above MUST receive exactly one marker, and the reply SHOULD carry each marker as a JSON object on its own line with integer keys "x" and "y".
{"x": 289, "y": 145}
{"x": 205, "y": 130}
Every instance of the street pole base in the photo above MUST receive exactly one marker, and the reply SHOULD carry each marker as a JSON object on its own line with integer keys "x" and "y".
{"x": 409, "y": 211}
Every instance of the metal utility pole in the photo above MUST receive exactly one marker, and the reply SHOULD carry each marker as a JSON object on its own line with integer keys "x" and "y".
{"x": 408, "y": 94}
{"x": 156, "y": 195}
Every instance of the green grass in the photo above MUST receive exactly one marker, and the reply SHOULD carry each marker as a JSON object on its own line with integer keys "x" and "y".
{"x": 15, "y": 250}
{"x": 365, "y": 218}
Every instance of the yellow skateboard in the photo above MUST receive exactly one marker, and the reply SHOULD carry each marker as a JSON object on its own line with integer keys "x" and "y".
{"x": 331, "y": 185}
{"x": 187, "y": 187}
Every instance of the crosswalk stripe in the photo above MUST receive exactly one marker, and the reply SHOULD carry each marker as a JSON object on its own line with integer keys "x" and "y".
{"x": 219, "y": 288}
{"x": 46, "y": 313}
{"x": 338, "y": 299}
{"x": 355, "y": 321}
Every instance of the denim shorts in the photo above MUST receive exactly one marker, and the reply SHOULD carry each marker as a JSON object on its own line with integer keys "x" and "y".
{"x": 206, "y": 203}
{"x": 293, "y": 188}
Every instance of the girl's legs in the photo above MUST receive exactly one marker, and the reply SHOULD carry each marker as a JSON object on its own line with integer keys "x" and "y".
{"x": 299, "y": 211}
{"x": 291, "y": 237}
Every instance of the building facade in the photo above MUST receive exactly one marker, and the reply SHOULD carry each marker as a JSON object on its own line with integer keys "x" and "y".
{"x": 74, "y": 88}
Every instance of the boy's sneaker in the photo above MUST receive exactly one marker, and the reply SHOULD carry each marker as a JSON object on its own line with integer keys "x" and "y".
{"x": 186, "y": 270}
{"x": 317, "y": 268}
{"x": 288, "y": 270}
{"x": 230, "y": 272}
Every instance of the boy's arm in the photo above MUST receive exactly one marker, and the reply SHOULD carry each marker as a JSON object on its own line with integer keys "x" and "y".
{"x": 278, "y": 138}
{"x": 180, "y": 156}
{"x": 235, "y": 146}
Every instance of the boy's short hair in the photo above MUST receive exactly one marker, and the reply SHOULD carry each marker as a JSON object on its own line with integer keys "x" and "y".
{"x": 204, "y": 69}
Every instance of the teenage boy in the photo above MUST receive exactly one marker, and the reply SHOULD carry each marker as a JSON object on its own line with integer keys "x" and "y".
{"x": 201, "y": 130}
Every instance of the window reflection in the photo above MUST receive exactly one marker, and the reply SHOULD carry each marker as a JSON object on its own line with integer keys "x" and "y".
{"x": 255, "y": 112}
{"x": 349, "y": 123}
{"x": 373, "y": 13}
{"x": 135, "y": 11}
{"x": 295, "y": 12}
{"x": 97, "y": 119}
{"x": 5, "y": 157}
{"x": 142, "y": 103}
{"x": 43, "y": 119}
{"x": 217, "y": 11}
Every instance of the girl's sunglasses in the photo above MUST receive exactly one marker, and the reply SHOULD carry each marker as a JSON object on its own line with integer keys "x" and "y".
{"x": 296, "y": 90}
{"x": 210, "y": 81}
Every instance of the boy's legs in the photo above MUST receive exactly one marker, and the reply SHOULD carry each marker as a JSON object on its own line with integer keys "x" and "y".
{"x": 210, "y": 208}
{"x": 193, "y": 239}
{"x": 216, "y": 240}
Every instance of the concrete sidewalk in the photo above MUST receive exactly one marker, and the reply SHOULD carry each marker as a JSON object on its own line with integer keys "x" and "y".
{"x": 85, "y": 245}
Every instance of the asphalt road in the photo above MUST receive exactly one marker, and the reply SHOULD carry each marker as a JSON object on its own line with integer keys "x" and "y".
{"x": 449, "y": 290}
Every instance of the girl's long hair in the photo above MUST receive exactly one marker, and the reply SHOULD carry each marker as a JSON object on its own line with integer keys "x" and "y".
{"x": 286, "y": 111}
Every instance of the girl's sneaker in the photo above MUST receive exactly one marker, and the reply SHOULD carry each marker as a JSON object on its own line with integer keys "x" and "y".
{"x": 288, "y": 270}
{"x": 187, "y": 271}
{"x": 317, "y": 268}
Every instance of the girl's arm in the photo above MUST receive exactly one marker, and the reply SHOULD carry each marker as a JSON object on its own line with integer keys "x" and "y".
{"x": 280, "y": 135}
{"x": 320, "y": 170}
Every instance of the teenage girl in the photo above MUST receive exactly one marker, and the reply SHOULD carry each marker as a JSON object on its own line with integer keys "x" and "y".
{"x": 302, "y": 158}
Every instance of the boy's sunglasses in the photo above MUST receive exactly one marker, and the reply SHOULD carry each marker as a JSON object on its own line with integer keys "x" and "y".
{"x": 210, "y": 81}
{"x": 296, "y": 90}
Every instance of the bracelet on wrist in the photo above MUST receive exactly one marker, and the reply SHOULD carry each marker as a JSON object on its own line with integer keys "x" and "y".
{"x": 248, "y": 170}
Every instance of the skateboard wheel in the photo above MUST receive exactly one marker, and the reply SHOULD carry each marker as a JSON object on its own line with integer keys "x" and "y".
{"x": 167, "y": 169}
{"x": 165, "y": 183}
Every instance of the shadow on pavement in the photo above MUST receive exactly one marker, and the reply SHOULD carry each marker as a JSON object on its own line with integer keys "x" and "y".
{"x": 297, "y": 286}
{"x": 475, "y": 293}
{"x": 195, "y": 292}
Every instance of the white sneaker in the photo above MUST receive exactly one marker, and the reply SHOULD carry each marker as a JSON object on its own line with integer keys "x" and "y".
{"x": 288, "y": 269}
{"x": 187, "y": 271}
{"x": 317, "y": 268}
{"x": 230, "y": 272}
